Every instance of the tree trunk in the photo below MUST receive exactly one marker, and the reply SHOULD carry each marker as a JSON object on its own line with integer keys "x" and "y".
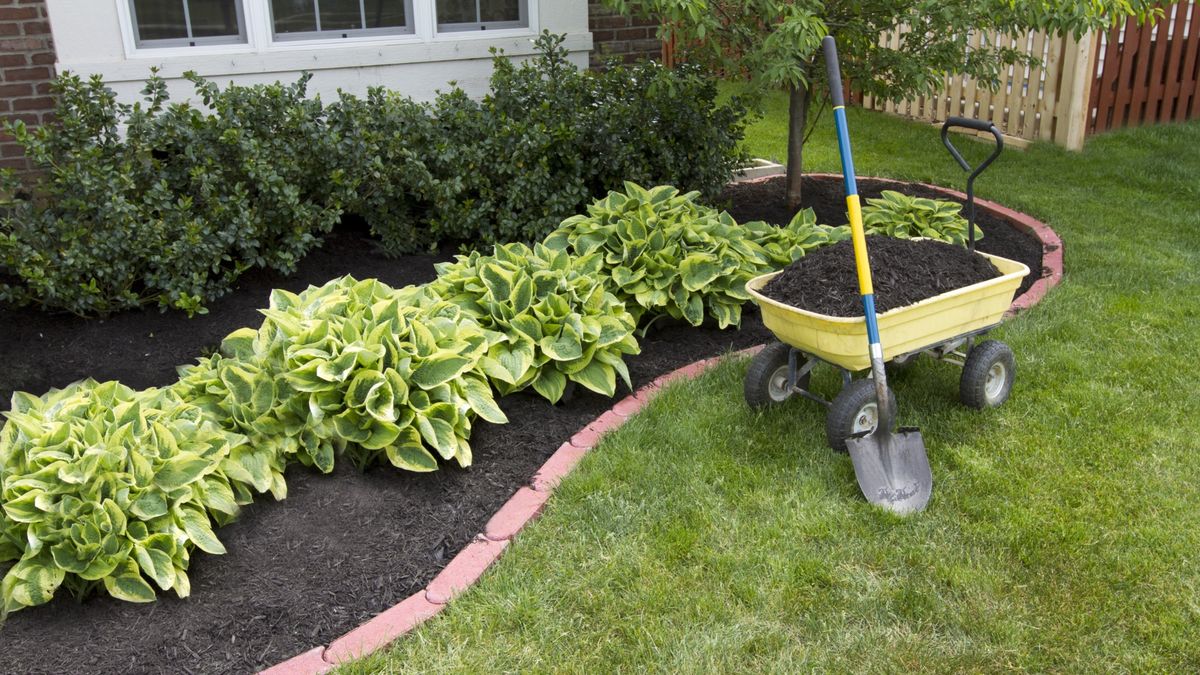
{"x": 798, "y": 104}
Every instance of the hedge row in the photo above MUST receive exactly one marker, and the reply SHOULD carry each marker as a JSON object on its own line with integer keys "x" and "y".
{"x": 166, "y": 203}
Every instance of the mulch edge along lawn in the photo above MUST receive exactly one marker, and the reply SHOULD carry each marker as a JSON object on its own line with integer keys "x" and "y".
{"x": 526, "y": 504}
{"x": 242, "y": 652}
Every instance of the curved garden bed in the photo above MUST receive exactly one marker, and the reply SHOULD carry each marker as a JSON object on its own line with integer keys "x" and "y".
{"x": 344, "y": 548}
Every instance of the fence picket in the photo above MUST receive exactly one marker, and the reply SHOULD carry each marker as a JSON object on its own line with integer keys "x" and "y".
{"x": 1130, "y": 75}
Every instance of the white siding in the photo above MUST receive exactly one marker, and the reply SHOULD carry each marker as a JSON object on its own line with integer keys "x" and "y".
{"x": 93, "y": 36}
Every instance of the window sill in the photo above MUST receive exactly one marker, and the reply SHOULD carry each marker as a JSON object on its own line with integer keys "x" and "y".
{"x": 313, "y": 55}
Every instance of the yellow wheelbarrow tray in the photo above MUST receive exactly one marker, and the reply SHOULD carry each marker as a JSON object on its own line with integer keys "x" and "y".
{"x": 904, "y": 331}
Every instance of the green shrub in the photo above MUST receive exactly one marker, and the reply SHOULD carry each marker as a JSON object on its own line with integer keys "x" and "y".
{"x": 351, "y": 367}
{"x": 163, "y": 204}
{"x": 106, "y": 486}
{"x": 558, "y": 320}
{"x": 904, "y": 217}
{"x": 546, "y": 139}
{"x": 381, "y": 145}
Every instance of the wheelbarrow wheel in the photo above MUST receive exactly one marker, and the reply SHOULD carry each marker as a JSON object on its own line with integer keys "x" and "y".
{"x": 767, "y": 378}
{"x": 987, "y": 376}
{"x": 854, "y": 411}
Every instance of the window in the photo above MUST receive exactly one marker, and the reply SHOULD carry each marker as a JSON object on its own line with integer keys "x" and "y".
{"x": 308, "y": 19}
{"x": 460, "y": 15}
{"x": 183, "y": 23}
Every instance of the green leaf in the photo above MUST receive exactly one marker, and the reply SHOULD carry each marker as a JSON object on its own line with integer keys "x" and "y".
{"x": 698, "y": 270}
{"x": 479, "y": 396}
{"x": 150, "y": 504}
{"x": 157, "y": 564}
{"x": 408, "y": 453}
{"x": 181, "y": 470}
{"x": 439, "y": 369}
{"x": 199, "y": 530}
{"x": 599, "y": 377}
{"x": 562, "y": 348}
{"x": 128, "y": 584}
{"x": 550, "y": 384}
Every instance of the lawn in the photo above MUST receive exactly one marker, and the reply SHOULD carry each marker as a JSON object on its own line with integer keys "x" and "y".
{"x": 1063, "y": 530}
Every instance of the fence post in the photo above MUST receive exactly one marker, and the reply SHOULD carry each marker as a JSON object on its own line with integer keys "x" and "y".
{"x": 1076, "y": 94}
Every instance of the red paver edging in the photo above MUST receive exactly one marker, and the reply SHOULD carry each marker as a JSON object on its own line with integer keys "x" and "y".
{"x": 526, "y": 504}
{"x": 471, "y": 562}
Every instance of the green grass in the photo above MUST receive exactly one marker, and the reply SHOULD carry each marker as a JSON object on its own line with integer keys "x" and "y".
{"x": 1064, "y": 529}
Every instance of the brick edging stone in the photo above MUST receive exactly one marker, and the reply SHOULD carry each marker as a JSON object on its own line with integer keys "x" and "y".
{"x": 526, "y": 504}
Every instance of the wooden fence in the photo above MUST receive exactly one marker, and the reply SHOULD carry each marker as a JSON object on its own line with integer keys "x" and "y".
{"x": 1045, "y": 102}
{"x": 1130, "y": 75}
{"x": 1148, "y": 73}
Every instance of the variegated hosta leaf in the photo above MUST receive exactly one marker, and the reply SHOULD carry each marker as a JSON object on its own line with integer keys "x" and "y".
{"x": 346, "y": 362}
{"x": 898, "y": 215}
{"x": 101, "y": 483}
{"x": 664, "y": 254}
{"x": 551, "y": 311}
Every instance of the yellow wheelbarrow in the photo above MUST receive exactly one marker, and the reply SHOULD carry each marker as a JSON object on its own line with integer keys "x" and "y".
{"x": 947, "y": 327}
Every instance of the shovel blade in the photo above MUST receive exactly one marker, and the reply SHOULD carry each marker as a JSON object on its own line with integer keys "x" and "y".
{"x": 892, "y": 469}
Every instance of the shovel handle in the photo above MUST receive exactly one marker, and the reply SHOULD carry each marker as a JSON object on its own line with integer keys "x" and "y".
{"x": 857, "y": 235}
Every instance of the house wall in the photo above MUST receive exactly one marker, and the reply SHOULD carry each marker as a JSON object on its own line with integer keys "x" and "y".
{"x": 621, "y": 38}
{"x": 94, "y": 36}
{"x": 26, "y": 67}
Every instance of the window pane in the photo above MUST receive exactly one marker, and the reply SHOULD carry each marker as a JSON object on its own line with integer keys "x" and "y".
{"x": 160, "y": 19}
{"x": 456, "y": 11}
{"x": 385, "y": 13}
{"x": 499, "y": 10}
{"x": 293, "y": 16}
{"x": 211, "y": 18}
{"x": 340, "y": 15}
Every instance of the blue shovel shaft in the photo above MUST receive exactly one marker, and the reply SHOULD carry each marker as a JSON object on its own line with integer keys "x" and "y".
{"x": 858, "y": 236}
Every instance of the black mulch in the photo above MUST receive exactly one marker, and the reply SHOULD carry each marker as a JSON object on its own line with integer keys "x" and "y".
{"x": 341, "y": 548}
{"x": 765, "y": 201}
{"x": 903, "y": 272}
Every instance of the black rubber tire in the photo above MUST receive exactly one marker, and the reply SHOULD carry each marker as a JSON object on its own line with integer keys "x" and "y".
{"x": 845, "y": 409}
{"x": 762, "y": 386}
{"x": 974, "y": 388}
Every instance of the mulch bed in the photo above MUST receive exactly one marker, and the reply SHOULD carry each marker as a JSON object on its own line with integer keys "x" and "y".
{"x": 766, "y": 201}
{"x": 341, "y": 548}
{"x": 903, "y": 272}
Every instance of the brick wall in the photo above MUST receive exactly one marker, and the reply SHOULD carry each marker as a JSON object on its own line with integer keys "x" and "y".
{"x": 26, "y": 68}
{"x": 616, "y": 36}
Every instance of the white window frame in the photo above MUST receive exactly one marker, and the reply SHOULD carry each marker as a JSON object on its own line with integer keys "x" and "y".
{"x": 188, "y": 42}
{"x": 346, "y": 34}
{"x": 467, "y": 26}
{"x": 259, "y": 33}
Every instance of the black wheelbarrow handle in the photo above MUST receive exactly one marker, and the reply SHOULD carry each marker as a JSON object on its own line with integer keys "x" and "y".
{"x": 977, "y": 125}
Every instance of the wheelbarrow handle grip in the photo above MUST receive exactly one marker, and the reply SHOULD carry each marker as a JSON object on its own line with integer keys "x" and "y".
{"x": 977, "y": 125}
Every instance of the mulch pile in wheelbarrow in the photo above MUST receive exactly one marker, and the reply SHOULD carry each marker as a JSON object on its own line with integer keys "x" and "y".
{"x": 904, "y": 272}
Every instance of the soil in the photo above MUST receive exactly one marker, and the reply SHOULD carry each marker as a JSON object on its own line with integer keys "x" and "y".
{"x": 340, "y": 548}
{"x": 766, "y": 201}
{"x": 903, "y": 272}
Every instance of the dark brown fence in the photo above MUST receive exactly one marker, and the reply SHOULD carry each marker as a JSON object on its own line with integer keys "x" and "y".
{"x": 1148, "y": 74}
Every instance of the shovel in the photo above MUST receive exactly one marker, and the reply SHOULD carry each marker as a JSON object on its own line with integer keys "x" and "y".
{"x": 892, "y": 468}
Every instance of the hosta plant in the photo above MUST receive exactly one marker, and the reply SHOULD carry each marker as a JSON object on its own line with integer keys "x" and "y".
{"x": 664, "y": 254}
{"x": 784, "y": 245}
{"x": 558, "y": 321}
{"x": 106, "y": 487}
{"x": 351, "y": 367}
{"x": 905, "y": 217}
